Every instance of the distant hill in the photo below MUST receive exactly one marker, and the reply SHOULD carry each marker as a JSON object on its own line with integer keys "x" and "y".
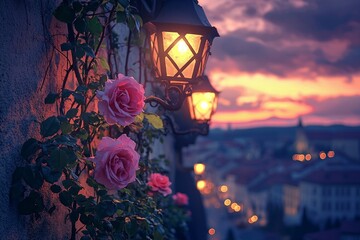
{"x": 268, "y": 133}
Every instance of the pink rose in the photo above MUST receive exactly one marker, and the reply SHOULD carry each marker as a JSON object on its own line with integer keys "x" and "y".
{"x": 122, "y": 100}
{"x": 159, "y": 183}
{"x": 180, "y": 199}
{"x": 116, "y": 162}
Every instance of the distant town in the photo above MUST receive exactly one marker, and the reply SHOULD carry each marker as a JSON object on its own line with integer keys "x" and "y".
{"x": 300, "y": 182}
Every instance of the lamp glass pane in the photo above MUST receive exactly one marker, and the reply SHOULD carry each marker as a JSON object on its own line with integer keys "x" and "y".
{"x": 168, "y": 39}
{"x": 171, "y": 70}
{"x": 180, "y": 53}
{"x": 203, "y": 105}
{"x": 194, "y": 41}
{"x": 155, "y": 53}
{"x": 188, "y": 71}
{"x": 182, "y": 49}
{"x": 204, "y": 57}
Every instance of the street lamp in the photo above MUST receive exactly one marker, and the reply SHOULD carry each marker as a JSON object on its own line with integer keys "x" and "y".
{"x": 180, "y": 39}
{"x": 197, "y": 111}
{"x": 203, "y": 101}
{"x": 199, "y": 168}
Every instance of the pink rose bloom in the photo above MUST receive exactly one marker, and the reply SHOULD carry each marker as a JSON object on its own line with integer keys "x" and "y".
{"x": 116, "y": 162}
{"x": 180, "y": 199}
{"x": 159, "y": 183}
{"x": 122, "y": 100}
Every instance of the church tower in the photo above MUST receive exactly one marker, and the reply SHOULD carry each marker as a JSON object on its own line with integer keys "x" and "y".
{"x": 301, "y": 141}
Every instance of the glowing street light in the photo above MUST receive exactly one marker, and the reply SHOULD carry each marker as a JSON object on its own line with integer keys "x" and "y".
{"x": 199, "y": 168}
{"x": 203, "y": 100}
{"x": 224, "y": 188}
{"x": 227, "y": 202}
{"x": 201, "y": 184}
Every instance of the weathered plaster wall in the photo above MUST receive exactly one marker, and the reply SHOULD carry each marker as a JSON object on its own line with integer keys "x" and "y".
{"x": 26, "y": 50}
{"x": 28, "y": 33}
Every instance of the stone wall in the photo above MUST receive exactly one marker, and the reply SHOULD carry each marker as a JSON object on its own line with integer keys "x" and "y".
{"x": 29, "y": 69}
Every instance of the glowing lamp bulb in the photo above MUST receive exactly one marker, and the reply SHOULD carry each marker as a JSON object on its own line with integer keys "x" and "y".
{"x": 182, "y": 47}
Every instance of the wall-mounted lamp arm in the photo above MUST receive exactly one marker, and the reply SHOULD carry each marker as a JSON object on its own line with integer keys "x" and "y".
{"x": 198, "y": 128}
{"x": 155, "y": 101}
{"x": 174, "y": 97}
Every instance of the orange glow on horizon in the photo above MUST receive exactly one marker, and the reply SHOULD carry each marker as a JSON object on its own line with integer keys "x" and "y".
{"x": 281, "y": 99}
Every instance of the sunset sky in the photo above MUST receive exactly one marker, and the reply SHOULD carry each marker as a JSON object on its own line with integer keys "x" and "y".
{"x": 278, "y": 60}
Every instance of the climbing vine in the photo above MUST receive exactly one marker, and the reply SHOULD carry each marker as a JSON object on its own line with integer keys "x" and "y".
{"x": 94, "y": 154}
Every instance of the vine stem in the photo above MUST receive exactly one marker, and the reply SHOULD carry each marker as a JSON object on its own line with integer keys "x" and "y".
{"x": 102, "y": 35}
{"x": 128, "y": 53}
{"x": 72, "y": 39}
{"x": 73, "y": 223}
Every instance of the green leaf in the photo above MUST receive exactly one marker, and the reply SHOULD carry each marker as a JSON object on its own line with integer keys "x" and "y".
{"x": 66, "y": 93}
{"x": 134, "y": 22}
{"x": 94, "y": 26}
{"x": 105, "y": 209}
{"x": 92, "y": 183}
{"x": 88, "y": 50}
{"x": 66, "y": 46}
{"x": 91, "y": 118}
{"x": 158, "y": 236}
{"x": 55, "y": 188}
{"x": 82, "y": 134}
{"x": 72, "y": 113}
{"x": 66, "y": 127}
{"x": 50, "y": 126}
{"x": 33, "y": 177}
{"x": 66, "y": 198}
{"x": 51, "y": 98}
{"x": 79, "y": 98}
{"x": 81, "y": 88}
{"x": 29, "y": 148}
{"x": 92, "y": 6}
{"x": 85, "y": 238}
{"x": 17, "y": 174}
{"x": 131, "y": 228}
{"x": 124, "y": 3}
{"x": 31, "y": 204}
{"x": 103, "y": 79}
{"x": 17, "y": 191}
{"x": 49, "y": 175}
{"x": 59, "y": 158}
{"x": 77, "y": 6}
{"x": 80, "y": 52}
{"x": 74, "y": 216}
{"x": 102, "y": 192}
{"x": 94, "y": 85}
{"x": 64, "y": 13}
{"x": 121, "y": 17}
{"x": 74, "y": 190}
{"x": 80, "y": 25}
{"x": 68, "y": 183}
{"x": 104, "y": 64}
